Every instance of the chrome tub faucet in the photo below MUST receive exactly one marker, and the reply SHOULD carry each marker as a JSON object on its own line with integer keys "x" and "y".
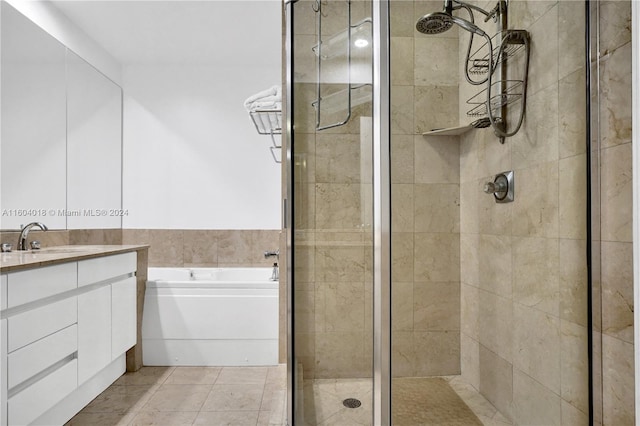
{"x": 276, "y": 254}
{"x": 275, "y": 274}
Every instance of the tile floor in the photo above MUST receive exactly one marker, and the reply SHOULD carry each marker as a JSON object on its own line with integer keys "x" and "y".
{"x": 323, "y": 402}
{"x": 243, "y": 396}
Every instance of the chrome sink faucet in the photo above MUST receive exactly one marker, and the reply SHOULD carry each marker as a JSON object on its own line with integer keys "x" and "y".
{"x": 22, "y": 241}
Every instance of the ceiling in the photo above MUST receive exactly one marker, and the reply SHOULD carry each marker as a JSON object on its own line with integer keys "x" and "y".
{"x": 231, "y": 32}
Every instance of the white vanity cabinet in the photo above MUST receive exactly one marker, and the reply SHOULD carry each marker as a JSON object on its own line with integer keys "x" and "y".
{"x": 3, "y": 350}
{"x": 65, "y": 331}
{"x": 97, "y": 326}
{"x": 94, "y": 332}
{"x": 123, "y": 316}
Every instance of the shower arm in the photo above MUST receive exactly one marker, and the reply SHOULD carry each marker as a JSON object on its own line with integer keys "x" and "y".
{"x": 488, "y": 15}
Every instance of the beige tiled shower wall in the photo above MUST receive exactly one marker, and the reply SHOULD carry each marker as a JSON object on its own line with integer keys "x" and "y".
{"x": 523, "y": 264}
{"x": 425, "y": 176}
{"x": 616, "y": 263}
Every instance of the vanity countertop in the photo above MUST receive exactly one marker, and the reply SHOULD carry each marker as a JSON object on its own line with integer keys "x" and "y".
{"x": 19, "y": 260}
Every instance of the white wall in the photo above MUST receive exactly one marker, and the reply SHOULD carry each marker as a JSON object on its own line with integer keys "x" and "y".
{"x": 50, "y": 19}
{"x": 192, "y": 157}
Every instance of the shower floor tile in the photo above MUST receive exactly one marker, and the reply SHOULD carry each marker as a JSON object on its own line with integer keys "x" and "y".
{"x": 323, "y": 404}
{"x": 244, "y": 396}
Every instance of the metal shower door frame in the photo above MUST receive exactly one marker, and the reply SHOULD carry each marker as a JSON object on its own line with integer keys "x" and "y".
{"x": 381, "y": 214}
{"x": 288, "y": 205}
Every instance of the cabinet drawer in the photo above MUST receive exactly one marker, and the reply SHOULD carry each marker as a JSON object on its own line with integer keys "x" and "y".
{"x": 26, "y": 406}
{"x": 103, "y": 268}
{"x": 34, "y": 284}
{"x": 35, "y": 324}
{"x": 32, "y": 359}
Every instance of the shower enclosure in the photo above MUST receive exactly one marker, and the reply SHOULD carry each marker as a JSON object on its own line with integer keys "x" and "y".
{"x": 417, "y": 293}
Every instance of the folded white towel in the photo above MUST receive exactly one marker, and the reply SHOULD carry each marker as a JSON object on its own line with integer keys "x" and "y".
{"x": 270, "y": 98}
{"x": 257, "y": 105}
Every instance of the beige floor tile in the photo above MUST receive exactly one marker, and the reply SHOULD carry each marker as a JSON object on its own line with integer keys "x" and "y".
{"x": 234, "y": 398}
{"x": 323, "y": 403}
{"x": 173, "y": 418}
{"x": 193, "y": 376}
{"x": 121, "y": 399}
{"x": 178, "y": 398}
{"x": 274, "y": 403}
{"x": 263, "y": 418}
{"x": 486, "y": 421}
{"x": 319, "y": 405}
{"x": 242, "y": 376}
{"x": 277, "y": 375}
{"x": 344, "y": 417}
{"x": 220, "y": 418}
{"x": 145, "y": 376}
{"x": 101, "y": 419}
{"x": 271, "y": 397}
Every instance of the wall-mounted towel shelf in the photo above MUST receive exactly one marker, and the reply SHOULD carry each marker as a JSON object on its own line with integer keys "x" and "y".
{"x": 342, "y": 61}
{"x": 334, "y": 102}
{"x": 335, "y": 45}
{"x": 269, "y": 122}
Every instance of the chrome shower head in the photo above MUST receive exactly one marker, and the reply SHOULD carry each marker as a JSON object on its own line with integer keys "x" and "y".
{"x": 434, "y": 23}
{"x": 439, "y": 22}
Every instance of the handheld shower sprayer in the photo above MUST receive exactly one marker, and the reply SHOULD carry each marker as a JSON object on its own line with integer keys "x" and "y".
{"x": 469, "y": 26}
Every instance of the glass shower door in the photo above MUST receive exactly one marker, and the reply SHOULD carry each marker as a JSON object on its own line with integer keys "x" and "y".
{"x": 483, "y": 301}
{"x": 331, "y": 230}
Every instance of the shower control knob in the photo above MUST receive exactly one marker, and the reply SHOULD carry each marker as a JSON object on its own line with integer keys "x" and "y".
{"x": 502, "y": 187}
{"x": 495, "y": 187}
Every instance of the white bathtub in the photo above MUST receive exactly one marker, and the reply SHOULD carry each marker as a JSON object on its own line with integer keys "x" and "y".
{"x": 210, "y": 317}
